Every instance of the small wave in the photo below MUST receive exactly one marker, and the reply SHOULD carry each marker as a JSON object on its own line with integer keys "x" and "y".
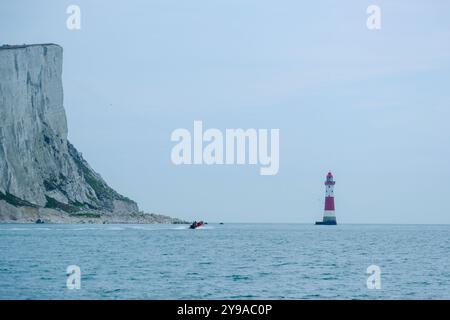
{"x": 312, "y": 296}
{"x": 139, "y": 228}
{"x": 238, "y": 277}
{"x": 115, "y": 228}
{"x": 25, "y": 229}
{"x": 243, "y": 297}
{"x": 112, "y": 291}
{"x": 281, "y": 264}
{"x": 205, "y": 228}
{"x": 15, "y": 229}
{"x": 180, "y": 228}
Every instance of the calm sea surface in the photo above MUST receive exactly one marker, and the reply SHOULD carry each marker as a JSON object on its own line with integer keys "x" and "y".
{"x": 231, "y": 261}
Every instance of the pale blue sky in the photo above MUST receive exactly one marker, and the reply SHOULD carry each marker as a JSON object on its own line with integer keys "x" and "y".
{"x": 372, "y": 106}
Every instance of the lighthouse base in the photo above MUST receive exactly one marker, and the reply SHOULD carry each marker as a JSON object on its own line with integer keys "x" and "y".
{"x": 328, "y": 221}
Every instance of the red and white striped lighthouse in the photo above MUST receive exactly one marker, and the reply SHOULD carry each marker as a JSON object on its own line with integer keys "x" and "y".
{"x": 329, "y": 218}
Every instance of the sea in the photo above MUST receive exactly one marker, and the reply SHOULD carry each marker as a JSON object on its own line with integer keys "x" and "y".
{"x": 229, "y": 261}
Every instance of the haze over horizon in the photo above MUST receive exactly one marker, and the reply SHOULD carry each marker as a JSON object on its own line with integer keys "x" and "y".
{"x": 371, "y": 106}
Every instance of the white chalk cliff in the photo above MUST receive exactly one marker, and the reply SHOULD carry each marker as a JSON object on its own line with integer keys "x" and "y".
{"x": 43, "y": 176}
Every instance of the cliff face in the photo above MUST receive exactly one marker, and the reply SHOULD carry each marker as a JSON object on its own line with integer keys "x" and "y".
{"x": 39, "y": 168}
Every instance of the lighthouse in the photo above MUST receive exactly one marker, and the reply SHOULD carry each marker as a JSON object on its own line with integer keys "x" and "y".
{"x": 329, "y": 218}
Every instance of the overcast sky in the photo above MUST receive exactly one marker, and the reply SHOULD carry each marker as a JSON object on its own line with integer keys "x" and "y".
{"x": 372, "y": 106}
